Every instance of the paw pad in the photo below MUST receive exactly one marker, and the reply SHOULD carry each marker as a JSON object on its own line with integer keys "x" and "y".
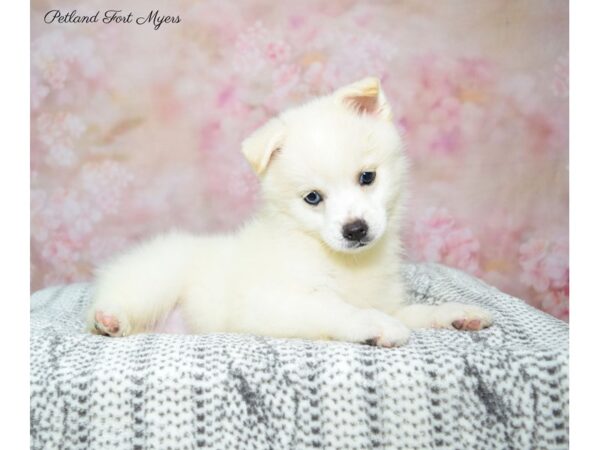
{"x": 378, "y": 342}
{"x": 471, "y": 325}
{"x": 106, "y": 324}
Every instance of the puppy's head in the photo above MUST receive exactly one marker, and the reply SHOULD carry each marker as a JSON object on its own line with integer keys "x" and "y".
{"x": 335, "y": 166}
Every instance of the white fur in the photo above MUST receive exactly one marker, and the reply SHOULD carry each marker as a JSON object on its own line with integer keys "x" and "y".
{"x": 289, "y": 272}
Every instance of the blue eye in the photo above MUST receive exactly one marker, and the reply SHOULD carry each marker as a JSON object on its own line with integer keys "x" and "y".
{"x": 313, "y": 198}
{"x": 366, "y": 178}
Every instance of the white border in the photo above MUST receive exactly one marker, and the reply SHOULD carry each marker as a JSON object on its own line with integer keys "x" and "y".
{"x": 14, "y": 246}
{"x": 584, "y": 223}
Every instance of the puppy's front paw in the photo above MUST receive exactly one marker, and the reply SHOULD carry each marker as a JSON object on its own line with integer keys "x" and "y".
{"x": 462, "y": 317}
{"x": 379, "y": 329}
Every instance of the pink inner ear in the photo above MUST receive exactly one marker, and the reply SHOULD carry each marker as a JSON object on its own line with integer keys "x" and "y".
{"x": 364, "y": 104}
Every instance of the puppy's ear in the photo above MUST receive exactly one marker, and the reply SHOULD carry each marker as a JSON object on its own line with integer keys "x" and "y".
{"x": 365, "y": 97}
{"x": 260, "y": 147}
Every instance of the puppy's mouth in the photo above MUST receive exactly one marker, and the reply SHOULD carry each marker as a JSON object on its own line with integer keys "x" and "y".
{"x": 359, "y": 244}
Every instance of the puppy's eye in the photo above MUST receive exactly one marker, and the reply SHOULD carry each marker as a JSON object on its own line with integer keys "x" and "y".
{"x": 313, "y": 198}
{"x": 366, "y": 178}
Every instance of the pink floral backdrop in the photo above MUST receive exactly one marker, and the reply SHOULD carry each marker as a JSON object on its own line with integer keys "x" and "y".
{"x": 136, "y": 130}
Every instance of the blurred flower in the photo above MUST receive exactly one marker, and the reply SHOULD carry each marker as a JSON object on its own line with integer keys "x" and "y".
{"x": 39, "y": 91}
{"x": 105, "y": 184}
{"x": 59, "y": 133}
{"x": 55, "y": 56}
{"x": 545, "y": 264}
{"x": 440, "y": 107}
{"x": 437, "y": 237}
{"x": 353, "y": 55}
{"x": 258, "y": 49}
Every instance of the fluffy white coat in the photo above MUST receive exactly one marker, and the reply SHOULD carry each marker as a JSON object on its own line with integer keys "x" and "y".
{"x": 292, "y": 271}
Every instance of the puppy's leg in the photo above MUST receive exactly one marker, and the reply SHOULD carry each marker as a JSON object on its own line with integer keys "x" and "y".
{"x": 141, "y": 286}
{"x": 448, "y": 315}
{"x": 319, "y": 316}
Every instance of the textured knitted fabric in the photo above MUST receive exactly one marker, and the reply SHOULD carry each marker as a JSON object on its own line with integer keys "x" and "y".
{"x": 505, "y": 387}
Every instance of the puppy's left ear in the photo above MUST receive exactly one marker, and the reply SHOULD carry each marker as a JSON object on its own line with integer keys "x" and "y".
{"x": 260, "y": 147}
{"x": 365, "y": 97}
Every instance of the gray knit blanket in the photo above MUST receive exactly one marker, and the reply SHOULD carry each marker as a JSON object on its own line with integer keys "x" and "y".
{"x": 505, "y": 387}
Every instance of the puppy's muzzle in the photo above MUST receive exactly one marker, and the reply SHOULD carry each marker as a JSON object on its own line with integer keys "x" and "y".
{"x": 355, "y": 231}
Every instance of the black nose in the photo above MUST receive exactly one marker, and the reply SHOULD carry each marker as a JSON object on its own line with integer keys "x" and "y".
{"x": 355, "y": 231}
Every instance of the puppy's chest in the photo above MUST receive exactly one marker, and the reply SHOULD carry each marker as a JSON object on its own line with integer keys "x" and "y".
{"x": 366, "y": 288}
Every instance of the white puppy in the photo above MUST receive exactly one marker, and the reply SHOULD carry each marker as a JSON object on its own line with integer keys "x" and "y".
{"x": 320, "y": 260}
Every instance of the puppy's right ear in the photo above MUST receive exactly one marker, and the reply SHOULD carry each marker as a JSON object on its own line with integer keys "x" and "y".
{"x": 365, "y": 97}
{"x": 260, "y": 147}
